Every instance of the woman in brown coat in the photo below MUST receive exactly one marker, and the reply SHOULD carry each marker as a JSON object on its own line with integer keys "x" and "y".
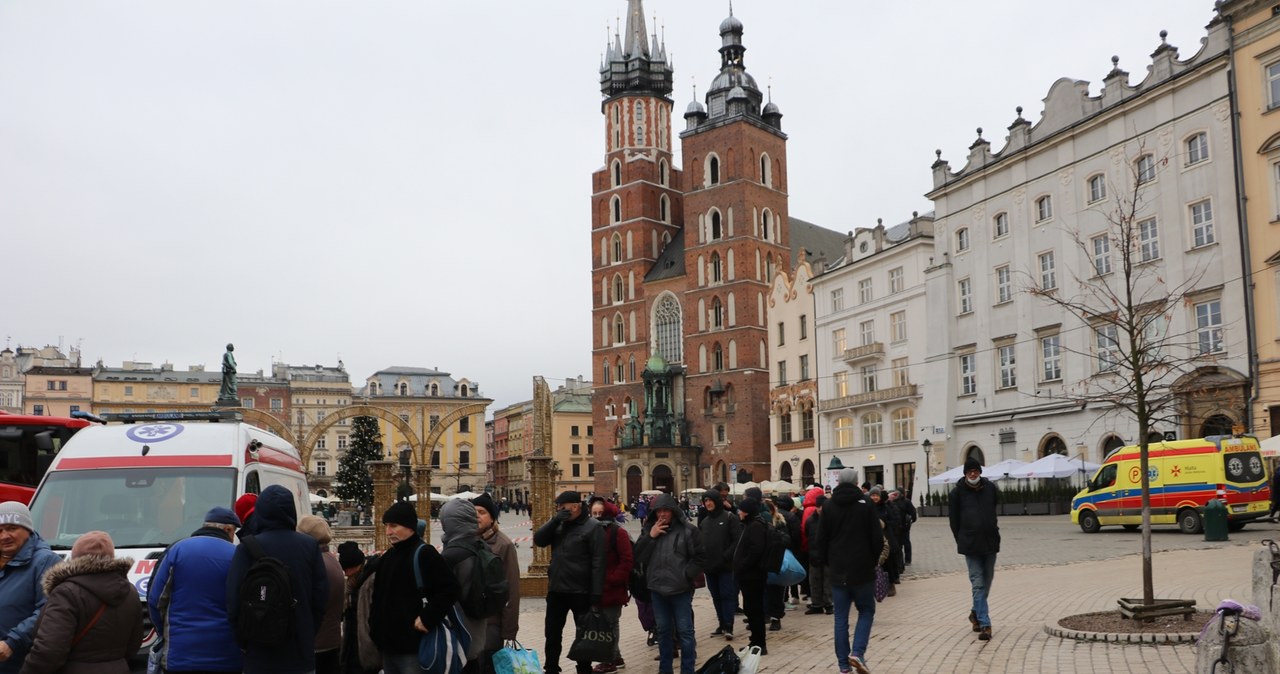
{"x": 92, "y": 618}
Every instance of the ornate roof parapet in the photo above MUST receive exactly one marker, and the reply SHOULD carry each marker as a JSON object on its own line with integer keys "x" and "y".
{"x": 1068, "y": 102}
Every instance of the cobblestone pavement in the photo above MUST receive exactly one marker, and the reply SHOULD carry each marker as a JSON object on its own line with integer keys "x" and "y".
{"x": 1047, "y": 569}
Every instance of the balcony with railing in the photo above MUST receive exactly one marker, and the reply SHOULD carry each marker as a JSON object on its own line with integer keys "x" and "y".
{"x": 872, "y": 351}
{"x": 859, "y": 399}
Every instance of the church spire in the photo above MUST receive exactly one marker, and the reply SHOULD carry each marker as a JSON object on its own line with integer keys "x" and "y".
{"x": 634, "y": 66}
{"x": 637, "y": 38}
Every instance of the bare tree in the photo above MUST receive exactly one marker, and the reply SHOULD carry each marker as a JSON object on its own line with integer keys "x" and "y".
{"x": 1127, "y": 304}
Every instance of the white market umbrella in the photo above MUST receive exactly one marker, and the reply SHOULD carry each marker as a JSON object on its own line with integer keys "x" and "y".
{"x": 740, "y": 489}
{"x": 948, "y": 477}
{"x": 1003, "y": 469}
{"x": 693, "y": 490}
{"x": 1054, "y": 465}
{"x": 1271, "y": 446}
{"x": 316, "y": 498}
{"x": 465, "y": 494}
{"x": 435, "y": 498}
{"x": 778, "y": 486}
{"x": 652, "y": 492}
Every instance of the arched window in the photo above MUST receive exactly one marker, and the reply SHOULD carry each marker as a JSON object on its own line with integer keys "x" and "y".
{"x": 713, "y": 170}
{"x": 606, "y": 373}
{"x": 464, "y": 391}
{"x": 616, "y": 171}
{"x": 668, "y": 329}
{"x": 617, "y": 248}
{"x": 619, "y": 330}
{"x": 765, "y": 226}
{"x": 435, "y": 389}
{"x": 618, "y": 292}
{"x": 717, "y": 231}
{"x": 631, "y": 369}
{"x": 404, "y": 389}
{"x": 615, "y": 209}
{"x": 766, "y": 171}
{"x": 717, "y": 313}
{"x": 639, "y": 120}
{"x": 662, "y": 173}
{"x": 717, "y": 358}
{"x": 619, "y": 373}
{"x": 872, "y": 431}
{"x": 715, "y": 268}
{"x": 616, "y": 124}
{"x": 844, "y": 432}
{"x": 1054, "y": 445}
{"x": 664, "y": 208}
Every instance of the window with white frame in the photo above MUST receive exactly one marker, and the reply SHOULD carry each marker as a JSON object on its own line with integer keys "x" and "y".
{"x": 839, "y": 342}
{"x": 1004, "y": 284}
{"x": 904, "y": 424}
{"x": 1097, "y": 188}
{"x": 1148, "y": 240}
{"x": 1008, "y": 366}
{"x": 1101, "y": 254}
{"x": 968, "y": 374}
{"x": 869, "y": 379}
{"x": 1044, "y": 208}
{"x": 1202, "y": 223}
{"x": 962, "y": 239}
{"x": 1209, "y": 326}
{"x": 804, "y": 327}
{"x": 896, "y": 283}
{"x": 342, "y": 442}
{"x": 1273, "y": 85}
{"x": 782, "y": 373}
{"x": 844, "y": 431}
{"x": 837, "y": 300}
{"x": 867, "y": 332}
{"x": 1000, "y": 225}
{"x": 784, "y": 426}
{"x": 1197, "y": 148}
{"x": 901, "y": 373}
{"x": 1048, "y": 271}
{"x": 872, "y": 429}
{"x": 864, "y": 291}
{"x": 1145, "y": 168}
{"x": 804, "y": 367}
{"x": 1107, "y": 344}
{"x": 320, "y": 444}
{"x": 898, "y": 326}
{"x": 840, "y": 380}
{"x": 782, "y": 333}
{"x": 322, "y": 468}
{"x": 965, "y": 289}
{"x": 1051, "y": 358}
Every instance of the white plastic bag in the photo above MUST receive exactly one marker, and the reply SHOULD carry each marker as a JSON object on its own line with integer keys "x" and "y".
{"x": 749, "y": 660}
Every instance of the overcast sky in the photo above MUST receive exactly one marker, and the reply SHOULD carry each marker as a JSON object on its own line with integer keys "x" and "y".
{"x": 407, "y": 183}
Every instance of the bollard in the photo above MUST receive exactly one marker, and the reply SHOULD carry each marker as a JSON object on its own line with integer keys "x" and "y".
{"x": 1215, "y": 520}
{"x": 1239, "y": 645}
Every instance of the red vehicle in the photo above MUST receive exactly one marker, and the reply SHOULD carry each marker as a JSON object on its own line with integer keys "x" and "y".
{"x": 27, "y": 447}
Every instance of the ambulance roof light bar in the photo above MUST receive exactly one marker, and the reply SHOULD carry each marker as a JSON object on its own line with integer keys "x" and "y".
{"x": 153, "y": 417}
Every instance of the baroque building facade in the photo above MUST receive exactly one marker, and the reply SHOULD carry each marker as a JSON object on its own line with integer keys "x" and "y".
{"x": 1008, "y": 373}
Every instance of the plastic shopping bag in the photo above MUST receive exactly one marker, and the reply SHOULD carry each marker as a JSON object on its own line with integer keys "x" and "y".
{"x": 514, "y": 658}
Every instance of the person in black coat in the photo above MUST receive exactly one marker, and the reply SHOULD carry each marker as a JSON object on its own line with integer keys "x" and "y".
{"x": 787, "y": 506}
{"x": 848, "y": 544}
{"x": 892, "y": 518}
{"x": 909, "y": 517}
{"x": 275, "y": 518}
{"x": 977, "y": 534}
{"x": 748, "y": 568}
{"x": 720, "y": 530}
{"x": 575, "y": 581}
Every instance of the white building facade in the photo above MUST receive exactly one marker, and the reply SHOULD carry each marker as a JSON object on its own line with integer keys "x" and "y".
{"x": 793, "y": 396}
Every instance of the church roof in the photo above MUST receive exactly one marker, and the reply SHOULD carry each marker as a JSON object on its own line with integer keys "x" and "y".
{"x": 816, "y": 241}
{"x": 670, "y": 263}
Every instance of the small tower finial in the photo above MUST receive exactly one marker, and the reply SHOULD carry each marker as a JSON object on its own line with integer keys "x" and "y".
{"x": 1164, "y": 34}
{"x": 938, "y": 154}
{"x": 1019, "y": 109}
{"x": 771, "y": 88}
{"x": 979, "y": 133}
{"x": 730, "y": 7}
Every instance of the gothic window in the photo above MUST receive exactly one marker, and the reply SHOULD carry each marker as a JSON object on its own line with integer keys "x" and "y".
{"x": 605, "y": 372}
{"x": 717, "y": 230}
{"x": 713, "y": 170}
{"x": 617, "y": 249}
{"x": 615, "y": 209}
{"x": 765, "y": 225}
{"x": 631, "y": 369}
{"x": 639, "y": 134}
{"x": 619, "y": 330}
{"x": 717, "y": 313}
{"x": 717, "y": 358}
{"x": 668, "y": 326}
{"x": 662, "y": 173}
{"x": 715, "y": 268}
{"x": 619, "y": 373}
{"x": 664, "y": 209}
{"x": 617, "y": 172}
{"x": 616, "y": 125}
{"x": 639, "y": 118}
{"x": 766, "y": 173}
{"x": 617, "y": 288}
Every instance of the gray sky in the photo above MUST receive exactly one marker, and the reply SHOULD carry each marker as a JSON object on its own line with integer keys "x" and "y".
{"x": 407, "y": 183}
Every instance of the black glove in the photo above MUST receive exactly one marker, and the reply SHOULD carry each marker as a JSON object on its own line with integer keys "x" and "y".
{"x": 563, "y": 516}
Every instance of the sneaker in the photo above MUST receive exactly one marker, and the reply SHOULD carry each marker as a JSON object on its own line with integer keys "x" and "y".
{"x": 775, "y": 625}
{"x": 985, "y": 634}
{"x": 791, "y": 606}
{"x": 973, "y": 620}
{"x": 728, "y": 635}
{"x": 620, "y": 664}
{"x": 813, "y": 610}
{"x": 718, "y": 633}
{"x": 858, "y": 665}
{"x": 604, "y": 668}
{"x": 652, "y": 640}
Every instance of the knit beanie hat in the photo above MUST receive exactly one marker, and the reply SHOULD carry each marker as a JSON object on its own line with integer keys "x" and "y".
{"x": 972, "y": 463}
{"x": 568, "y": 497}
{"x": 245, "y": 505}
{"x": 786, "y": 502}
{"x": 848, "y": 476}
{"x": 486, "y": 501}
{"x": 402, "y": 513}
{"x": 750, "y": 506}
{"x": 350, "y": 555}
{"x": 317, "y": 528}
{"x": 96, "y": 543}
{"x": 16, "y": 512}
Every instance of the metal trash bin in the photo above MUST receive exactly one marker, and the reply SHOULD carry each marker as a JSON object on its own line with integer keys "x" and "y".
{"x": 1215, "y": 520}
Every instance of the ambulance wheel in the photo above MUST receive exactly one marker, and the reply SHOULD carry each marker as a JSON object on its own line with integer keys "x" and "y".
{"x": 1132, "y": 527}
{"x": 1089, "y": 522}
{"x": 1189, "y": 521}
{"x": 1235, "y": 526}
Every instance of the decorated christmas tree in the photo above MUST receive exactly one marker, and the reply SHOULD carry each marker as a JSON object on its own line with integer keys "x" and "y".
{"x": 353, "y": 478}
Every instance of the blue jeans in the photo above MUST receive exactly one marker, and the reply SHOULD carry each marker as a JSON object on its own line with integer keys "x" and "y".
{"x": 982, "y": 571}
{"x": 724, "y": 596}
{"x": 678, "y": 609}
{"x": 863, "y": 597}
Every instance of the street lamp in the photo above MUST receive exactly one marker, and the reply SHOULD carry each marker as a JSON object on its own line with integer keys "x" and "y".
{"x": 928, "y": 447}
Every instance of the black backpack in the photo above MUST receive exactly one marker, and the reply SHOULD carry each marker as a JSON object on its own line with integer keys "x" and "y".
{"x": 266, "y": 599}
{"x": 487, "y": 593}
{"x": 775, "y": 547}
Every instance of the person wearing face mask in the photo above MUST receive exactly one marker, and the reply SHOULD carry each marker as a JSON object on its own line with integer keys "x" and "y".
{"x": 973, "y": 524}
{"x": 618, "y": 563}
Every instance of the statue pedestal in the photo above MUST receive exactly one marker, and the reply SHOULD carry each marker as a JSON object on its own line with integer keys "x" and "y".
{"x": 227, "y": 402}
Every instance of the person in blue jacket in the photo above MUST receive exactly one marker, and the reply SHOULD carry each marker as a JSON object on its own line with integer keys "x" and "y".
{"x": 24, "y": 557}
{"x": 187, "y": 599}
{"x": 275, "y": 520}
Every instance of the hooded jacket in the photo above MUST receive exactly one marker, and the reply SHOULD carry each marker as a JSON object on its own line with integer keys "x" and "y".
{"x": 22, "y": 597}
{"x": 76, "y": 590}
{"x": 849, "y": 539}
{"x": 619, "y": 559}
{"x": 577, "y": 554}
{"x": 461, "y": 538}
{"x": 275, "y": 518}
{"x": 720, "y": 530}
{"x": 673, "y": 560}
{"x": 973, "y": 517}
{"x": 192, "y": 613}
{"x": 810, "y": 507}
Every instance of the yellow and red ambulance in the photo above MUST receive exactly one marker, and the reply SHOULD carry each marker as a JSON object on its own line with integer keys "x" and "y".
{"x": 1184, "y": 476}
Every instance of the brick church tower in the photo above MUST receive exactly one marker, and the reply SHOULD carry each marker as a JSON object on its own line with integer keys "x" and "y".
{"x": 681, "y": 266}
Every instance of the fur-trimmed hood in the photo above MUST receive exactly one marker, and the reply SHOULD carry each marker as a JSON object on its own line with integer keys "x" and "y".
{"x": 94, "y": 573}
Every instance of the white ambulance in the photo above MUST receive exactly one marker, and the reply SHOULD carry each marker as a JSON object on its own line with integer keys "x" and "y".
{"x": 149, "y": 480}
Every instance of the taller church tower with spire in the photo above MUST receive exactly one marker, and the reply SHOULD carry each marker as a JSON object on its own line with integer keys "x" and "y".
{"x": 681, "y": 266}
